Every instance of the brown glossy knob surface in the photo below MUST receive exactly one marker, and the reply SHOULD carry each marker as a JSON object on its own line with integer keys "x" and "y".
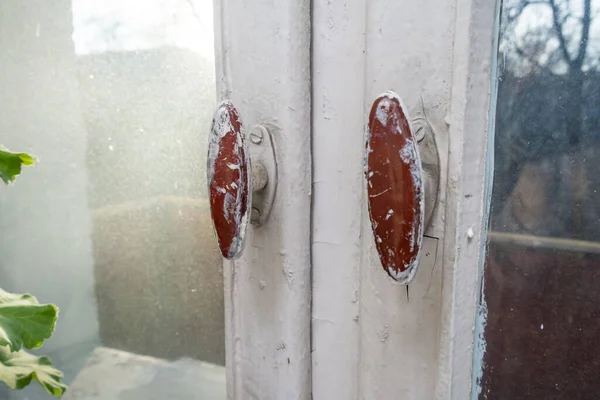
{"x": 228, "y": 178}
{"x": 394, "y": 187}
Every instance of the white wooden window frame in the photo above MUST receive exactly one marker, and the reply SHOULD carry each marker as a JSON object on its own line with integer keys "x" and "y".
{"x": 308, "y": 309}
{"x": 262, "y": 50}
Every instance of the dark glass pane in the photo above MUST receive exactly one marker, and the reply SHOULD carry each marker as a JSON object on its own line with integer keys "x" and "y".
{"x": 542, "y": 273}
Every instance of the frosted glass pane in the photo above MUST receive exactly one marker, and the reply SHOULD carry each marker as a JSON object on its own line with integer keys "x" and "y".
{"x": 115, "y": 99}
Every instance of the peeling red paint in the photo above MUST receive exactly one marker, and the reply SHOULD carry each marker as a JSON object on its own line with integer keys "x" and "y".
{"x": 228, "y": 179}
{"x": 394, "y": 187}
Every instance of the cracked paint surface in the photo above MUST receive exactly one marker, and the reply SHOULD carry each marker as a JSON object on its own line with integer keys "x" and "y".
{"x": 228, "y": 169}
{"x": 394, "y": 187}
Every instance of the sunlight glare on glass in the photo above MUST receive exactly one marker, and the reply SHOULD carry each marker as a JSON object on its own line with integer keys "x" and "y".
{"x": 124, "y": 25}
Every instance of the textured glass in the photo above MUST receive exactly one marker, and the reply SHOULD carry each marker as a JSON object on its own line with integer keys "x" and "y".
{"x": 541, "y": 337}
{"x": 115, "y": 99}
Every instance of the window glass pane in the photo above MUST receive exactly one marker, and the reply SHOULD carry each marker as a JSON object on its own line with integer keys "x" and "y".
{"x": 541, "y": 303}
{"x": 115, "y": 98}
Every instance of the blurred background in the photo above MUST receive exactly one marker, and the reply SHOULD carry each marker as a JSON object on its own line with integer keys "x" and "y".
{"x": 541, "y": 304}
{"x": 115, "y": 98}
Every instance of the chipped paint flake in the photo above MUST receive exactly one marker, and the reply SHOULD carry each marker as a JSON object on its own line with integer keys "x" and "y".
{"x": 389, "y": 214}
{"x": 382, "y": 114}
{"x": 380, "y": 193}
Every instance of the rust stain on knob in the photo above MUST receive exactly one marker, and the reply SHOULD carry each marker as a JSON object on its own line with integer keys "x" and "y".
{"x": 394, "y": 187}
{"x": 228, "y": 179}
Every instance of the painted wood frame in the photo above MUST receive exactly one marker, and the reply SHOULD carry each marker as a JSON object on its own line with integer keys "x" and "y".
{"x": 263, "y": 67}
{"x": 371, "y": 338}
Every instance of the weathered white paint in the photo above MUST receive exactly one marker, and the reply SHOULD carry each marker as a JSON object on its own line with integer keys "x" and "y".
{"x": 339, "y": 121}
{"x": 479, "y": 344}
{"x": 408, "y": 50}
{"x": 263, "y": 67}
{"x": 474, "y": 52}
{"x": 371, "y": 340}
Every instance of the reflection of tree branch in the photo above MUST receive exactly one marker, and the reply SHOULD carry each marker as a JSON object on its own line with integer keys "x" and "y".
{"x": 559, "y": 32}
{"x": 585, "y": 33}
{"x": 522, "y": 6}
{"x": 195, "y": 12}
{"x": 531, "y": 59}
{"x": 570, "y": 25}
{"x": 564, "y": 19}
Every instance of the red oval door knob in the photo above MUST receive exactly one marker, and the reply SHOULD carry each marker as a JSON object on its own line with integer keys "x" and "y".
{"x": 394, "y": 187}
{"x": 229, "y": 183}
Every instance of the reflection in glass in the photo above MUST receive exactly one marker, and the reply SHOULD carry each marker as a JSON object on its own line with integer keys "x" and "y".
{"x": 113, "y": 224}
{"x": 542, "y": 271}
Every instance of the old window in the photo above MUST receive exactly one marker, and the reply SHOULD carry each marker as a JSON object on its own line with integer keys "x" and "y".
{"x": 115, "y": 99}
{"x": 540, "y": 307}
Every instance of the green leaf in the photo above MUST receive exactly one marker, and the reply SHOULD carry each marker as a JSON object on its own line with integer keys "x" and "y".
{"x": 25, "y": 322}
{"x": 11, "y": 163}
{"x": 17, "y": 369}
